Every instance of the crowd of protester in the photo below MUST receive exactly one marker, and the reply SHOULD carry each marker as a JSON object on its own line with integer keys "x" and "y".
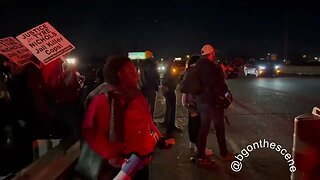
{"x": 36, "y": 103}
{"x": 113, "y": 115}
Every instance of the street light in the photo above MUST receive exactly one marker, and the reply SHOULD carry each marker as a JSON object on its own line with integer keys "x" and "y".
{"x": 71, "y": 60}
{"x": 188, "y": 56}
{"x": 304, "y": 56}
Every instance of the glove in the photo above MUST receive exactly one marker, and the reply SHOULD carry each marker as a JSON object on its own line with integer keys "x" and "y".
{"x": 164, "y": 143}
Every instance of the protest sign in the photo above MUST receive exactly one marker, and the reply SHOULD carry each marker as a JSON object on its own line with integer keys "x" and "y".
{"x": 15, "y": 51}
{"x": 45, "y": 42}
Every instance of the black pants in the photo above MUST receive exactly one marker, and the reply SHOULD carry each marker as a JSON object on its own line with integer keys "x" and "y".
{"x": 170, "y": 114}
{"x": 150, "y": 95}
{"x": 194, "y": 124}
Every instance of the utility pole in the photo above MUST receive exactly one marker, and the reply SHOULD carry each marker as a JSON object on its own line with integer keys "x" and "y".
{"x": 285, "y": 54}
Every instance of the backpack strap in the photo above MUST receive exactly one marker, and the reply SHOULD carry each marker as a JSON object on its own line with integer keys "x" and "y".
{"x": 117, "y": 117}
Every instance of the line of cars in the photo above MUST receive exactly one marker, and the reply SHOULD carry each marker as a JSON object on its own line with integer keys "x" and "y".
{"x": 257, "y": 68}
{"x": 262, "y": 68}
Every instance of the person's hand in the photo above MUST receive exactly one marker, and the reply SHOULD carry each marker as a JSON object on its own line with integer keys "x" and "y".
{"x": 122, "y": 176}
{"x": 131, "y": 166}
{"x": 116, "y": 162}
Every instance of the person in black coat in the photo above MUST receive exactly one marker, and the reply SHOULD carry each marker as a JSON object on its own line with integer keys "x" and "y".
{"x": 149, "y": 79}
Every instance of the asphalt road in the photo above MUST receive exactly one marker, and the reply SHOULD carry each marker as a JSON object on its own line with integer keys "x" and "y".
{"x": 263, "y": 109}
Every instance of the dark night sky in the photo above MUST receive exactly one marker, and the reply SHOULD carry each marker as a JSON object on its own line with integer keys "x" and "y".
{"x": 243, "y": 28}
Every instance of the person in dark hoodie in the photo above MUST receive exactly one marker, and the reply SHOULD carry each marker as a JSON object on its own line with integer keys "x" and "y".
{"x": 149, "y": 79}
{"x": 209, "y": 107}
{"x": 194, "y": 119}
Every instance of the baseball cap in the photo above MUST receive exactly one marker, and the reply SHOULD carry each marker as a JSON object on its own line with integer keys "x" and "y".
{"x": 148, "y": 54}
{"x": 207, "y": 49}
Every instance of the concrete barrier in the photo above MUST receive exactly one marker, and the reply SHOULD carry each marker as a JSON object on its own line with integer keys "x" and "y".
{"x": 54, "y": 163}
{"x": 301, "y": 70}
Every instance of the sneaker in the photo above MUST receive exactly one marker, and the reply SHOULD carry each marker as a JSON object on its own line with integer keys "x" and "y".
{"x": 208, "y": 151}
{"x": 178, "y": 130}
{"x": 229, "y": 157}
{"x": 163, "y": 124}
{"x": 192, "y": 146}
{"x": 205, "y": 163}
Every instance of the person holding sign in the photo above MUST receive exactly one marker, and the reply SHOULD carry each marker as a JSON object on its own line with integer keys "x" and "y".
{"x": 62, "y": 80}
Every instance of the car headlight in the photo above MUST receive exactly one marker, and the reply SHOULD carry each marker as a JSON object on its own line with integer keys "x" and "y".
{"x": 262, "y": 67}
{"x": 163, "y": 68}
{"x": 276, "y": 67}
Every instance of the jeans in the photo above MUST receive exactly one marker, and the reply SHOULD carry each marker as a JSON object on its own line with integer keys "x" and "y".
{"x": 208, "y": 114}
{"x": 170, "y": 114}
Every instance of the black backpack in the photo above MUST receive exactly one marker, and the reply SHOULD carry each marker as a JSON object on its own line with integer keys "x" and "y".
{"x": 225, "y": 96}
{"x": 190, "y": 83}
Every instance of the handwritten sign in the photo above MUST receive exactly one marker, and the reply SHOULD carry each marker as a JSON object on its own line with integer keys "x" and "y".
{"x": 45, "y": 42}
{"x": 15, "y": 51}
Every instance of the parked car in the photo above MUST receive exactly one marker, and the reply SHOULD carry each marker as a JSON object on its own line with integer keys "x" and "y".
{"x": 261, "y": 68}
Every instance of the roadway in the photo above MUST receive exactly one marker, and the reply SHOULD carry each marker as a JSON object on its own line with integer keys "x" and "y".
{"x": 263, "y": 108}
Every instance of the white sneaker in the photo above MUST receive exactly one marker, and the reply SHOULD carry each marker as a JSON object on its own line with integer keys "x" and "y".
{"x": 208, "y": 151}
{"x": 192, "y": 146}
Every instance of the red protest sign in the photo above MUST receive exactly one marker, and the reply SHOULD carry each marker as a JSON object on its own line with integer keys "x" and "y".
{"x": 45, "y": 42}
{"x": 15, "y": 51}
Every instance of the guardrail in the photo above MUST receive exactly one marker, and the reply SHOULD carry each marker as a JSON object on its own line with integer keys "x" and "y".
{"x": 301, "y": 70}
{"x": 54, "y": 163}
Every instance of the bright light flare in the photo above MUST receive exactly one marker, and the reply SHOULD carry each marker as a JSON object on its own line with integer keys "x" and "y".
{"x": 71, "y": 60}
